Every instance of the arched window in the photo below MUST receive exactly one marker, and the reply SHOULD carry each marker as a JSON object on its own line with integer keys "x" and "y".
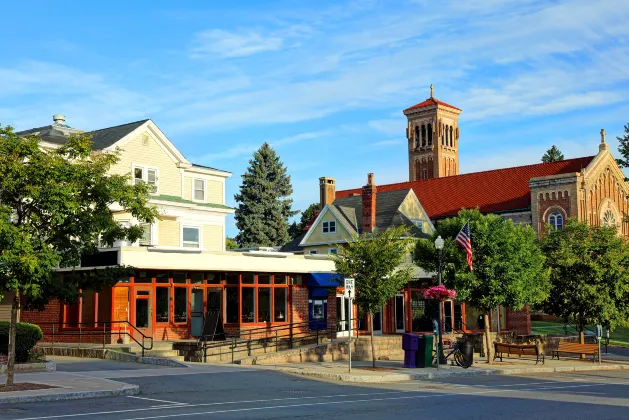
{"x": 429, "y": 134}
{"x": 447, "y": 136}
{"x": 608, "y": 219}
{"x": 416, "y": 136}
{"x": 423, "y": 135}
{"x": 556, "y": 220}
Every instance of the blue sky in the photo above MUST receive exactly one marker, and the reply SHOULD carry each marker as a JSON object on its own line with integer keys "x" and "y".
{"x": 324, "y": 82}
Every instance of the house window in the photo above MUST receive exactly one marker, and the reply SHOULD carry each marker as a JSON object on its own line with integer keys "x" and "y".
{"x": 146, "y": 175}
{"x": 147, "y": 236}
{"x": 329, "y": 227}
{"x": 608, "y": 219}
{"x": 191, "y": 237}
{"x": 199, "y": 190}
{"x": 556, "y": 220}
{"x": 333, "y": 251}
{"x": 312, "y": 252}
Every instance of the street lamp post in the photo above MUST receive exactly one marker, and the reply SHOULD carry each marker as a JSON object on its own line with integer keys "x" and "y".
{"x": 439, "y": 242}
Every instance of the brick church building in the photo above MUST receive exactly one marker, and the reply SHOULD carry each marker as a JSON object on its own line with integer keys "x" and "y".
{"x": 591, "y": 188}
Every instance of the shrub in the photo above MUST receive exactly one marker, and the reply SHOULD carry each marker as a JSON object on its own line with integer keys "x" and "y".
{"x": 27, "y": 335}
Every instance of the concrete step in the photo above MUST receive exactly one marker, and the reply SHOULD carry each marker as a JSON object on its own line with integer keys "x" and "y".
{"x": 159, "y": 353}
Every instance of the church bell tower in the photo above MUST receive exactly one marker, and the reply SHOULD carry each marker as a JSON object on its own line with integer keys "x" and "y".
{"x": 433, "y": 139}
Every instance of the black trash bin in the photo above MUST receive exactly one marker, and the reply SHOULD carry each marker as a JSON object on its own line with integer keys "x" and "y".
{"x": 467, "y": 348}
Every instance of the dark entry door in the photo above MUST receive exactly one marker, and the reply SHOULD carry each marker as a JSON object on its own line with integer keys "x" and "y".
{"x": 144, "y": 311}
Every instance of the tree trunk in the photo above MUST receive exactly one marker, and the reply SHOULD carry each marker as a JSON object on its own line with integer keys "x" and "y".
{"x": 487, "y": 338}
{"x": 373, "y": 346}
{"x": 12, "y": 336}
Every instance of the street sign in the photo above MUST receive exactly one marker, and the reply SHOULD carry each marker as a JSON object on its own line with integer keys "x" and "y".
{"x": 349, "y": 288}
{"x": 599, "y": 331}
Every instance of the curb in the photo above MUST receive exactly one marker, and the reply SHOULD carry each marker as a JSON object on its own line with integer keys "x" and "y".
{"x": 402, "y": 377}
{"x": 126, "y": 389}
{"x": 113, "y": 355}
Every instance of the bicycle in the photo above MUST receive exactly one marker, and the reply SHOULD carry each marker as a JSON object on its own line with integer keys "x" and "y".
{"x": 459, "y": 358}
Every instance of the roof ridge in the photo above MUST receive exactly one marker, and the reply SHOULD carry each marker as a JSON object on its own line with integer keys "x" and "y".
{"x": 479, "y": 172}
{"x": 119, "y": 125}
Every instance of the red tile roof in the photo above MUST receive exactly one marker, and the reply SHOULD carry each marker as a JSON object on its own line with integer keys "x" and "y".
{"x": 430, "y": 102}
{"x": 492, "y": 191}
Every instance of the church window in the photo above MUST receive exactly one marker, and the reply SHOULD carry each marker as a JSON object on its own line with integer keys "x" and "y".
{"x": 429, "y": 134}
{"x": 416, "y": 136}
{"x": 451, "y": 138}
{"x": 423, "y": 135}
{"x": 425, "y": 173}
{"x": 447, "y": 136}
{"x": 556, "y": 220}
{"x": 608, "y": 219}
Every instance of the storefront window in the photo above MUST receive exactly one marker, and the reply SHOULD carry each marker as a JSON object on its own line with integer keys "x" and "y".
{"x": 423, "y": 311}
{"x": 179, "y": 277}
{"x": 247, "y": 278}
{"x": 215, "y": 278}
{"x": 474, "y": 318}
{"x": 279, "y": 279}
{"x": 264, "y": 304}
{"x": 232, "y": 278}
{"x": 162, "y": 295}
{"x": 232, "y": 304}
{"x": 279, "y": 303}
{"x": 143, "y": 277}
{"x": 264, "y": 279}
{"x": 196, "y": 277}
{"x": 503, "y": 319}
{"x": 181, "y": 304}
{"x": 162, "y": 278}
{"x": 248, "y": 304}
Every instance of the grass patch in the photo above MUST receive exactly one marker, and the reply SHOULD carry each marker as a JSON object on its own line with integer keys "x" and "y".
{"x": 619, "y": 337}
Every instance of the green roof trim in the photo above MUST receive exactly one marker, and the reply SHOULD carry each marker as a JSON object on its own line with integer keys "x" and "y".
{"x": 176, "y": 199}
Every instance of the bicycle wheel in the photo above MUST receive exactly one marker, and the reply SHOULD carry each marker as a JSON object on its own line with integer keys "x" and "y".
{"x": 461, "y": 360}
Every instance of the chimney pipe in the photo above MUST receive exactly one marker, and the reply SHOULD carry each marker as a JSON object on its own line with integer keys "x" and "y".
{"x": 327, "y": 191}
{"x": 369, "y": 204}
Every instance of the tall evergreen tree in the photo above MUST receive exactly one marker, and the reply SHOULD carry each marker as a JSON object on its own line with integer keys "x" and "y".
{"x": 552, "y": 155}
{"x": 263, "y": 203}
{"x": 307, "y": 215}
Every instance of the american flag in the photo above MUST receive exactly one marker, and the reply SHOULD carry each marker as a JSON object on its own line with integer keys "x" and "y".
{"x": 465, "y": 241}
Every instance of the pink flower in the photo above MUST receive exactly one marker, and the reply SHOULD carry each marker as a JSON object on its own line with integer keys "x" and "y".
{"x": 439, "y": 293}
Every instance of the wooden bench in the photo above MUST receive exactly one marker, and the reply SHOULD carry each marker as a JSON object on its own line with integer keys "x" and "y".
{"x": 576, "y": 348}
{"x": 518, "y": 350}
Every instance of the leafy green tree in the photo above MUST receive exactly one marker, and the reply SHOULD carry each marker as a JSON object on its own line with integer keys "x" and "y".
{"x": 307, "y": 215}
{"x": 264, "y": 207}
{"x": 376, "y": 262}
{"x": 54, "y": 207}
{"x": 623, "y": 149}
{"x": 508, "y": 264}
{"x": 589, "y": 275}
{"x": 230, "y": 243}
{"x": 552, "y": 155}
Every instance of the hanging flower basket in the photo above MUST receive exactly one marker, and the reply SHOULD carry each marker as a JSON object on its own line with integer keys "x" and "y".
{"x": 439, "y": 293}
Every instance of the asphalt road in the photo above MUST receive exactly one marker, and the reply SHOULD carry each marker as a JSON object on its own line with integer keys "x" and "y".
{"x": 246, "y": 393}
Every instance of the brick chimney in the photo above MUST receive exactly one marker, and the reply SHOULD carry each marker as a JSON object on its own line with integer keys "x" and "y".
{"x": 369, "y": 205}
{"x": 327, "y": 191}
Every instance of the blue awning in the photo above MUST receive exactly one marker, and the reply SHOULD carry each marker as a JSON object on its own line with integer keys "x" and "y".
{"x": 323, "y": 280}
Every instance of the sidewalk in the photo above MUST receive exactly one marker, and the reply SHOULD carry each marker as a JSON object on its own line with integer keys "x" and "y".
{"x": 393, "y": 371}
{"x": 70, "y": 386}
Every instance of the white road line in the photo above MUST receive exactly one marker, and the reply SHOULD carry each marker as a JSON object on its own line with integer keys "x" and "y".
{"x": 217, "y": 403}
{"x": 352, "y": 401}
{"x": 153, "y": 399}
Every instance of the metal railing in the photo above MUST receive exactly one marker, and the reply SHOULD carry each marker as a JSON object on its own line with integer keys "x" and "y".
{"x": 279, "y": 337}
{"x": 79, "y": 330}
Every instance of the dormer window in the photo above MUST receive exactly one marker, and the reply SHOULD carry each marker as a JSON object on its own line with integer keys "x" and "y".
{"x": 329, "y": 227}
{"x": 199, "y": 190}
{"x": 142, "y": 174}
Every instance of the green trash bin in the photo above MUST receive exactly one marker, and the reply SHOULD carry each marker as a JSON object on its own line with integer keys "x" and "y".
{"x": 423, "y": 357}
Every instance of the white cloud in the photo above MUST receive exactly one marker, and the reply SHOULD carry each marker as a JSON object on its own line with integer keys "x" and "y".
{"x": 227, "y": 44}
